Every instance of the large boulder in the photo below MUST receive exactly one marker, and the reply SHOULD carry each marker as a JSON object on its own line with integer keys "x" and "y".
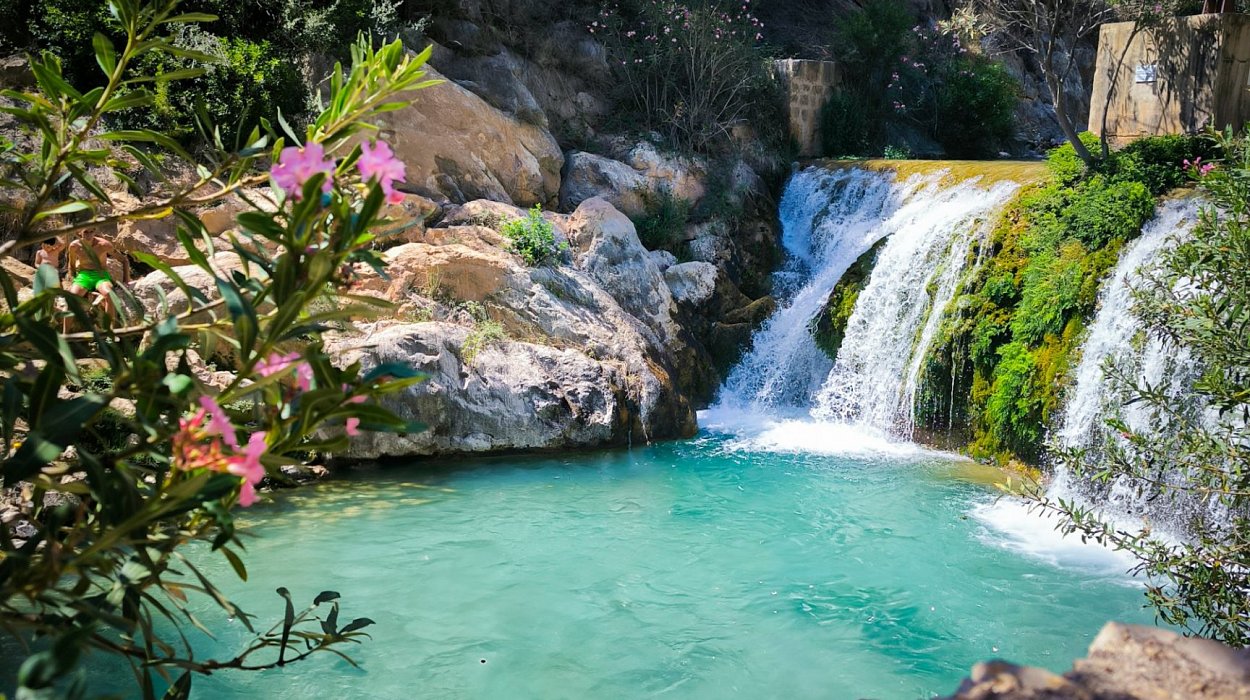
{"x": 458, "y": 147}
{"x": 606, "y": 246}
{"x": 692, "y": 282}
{"x": 587, "y": 176}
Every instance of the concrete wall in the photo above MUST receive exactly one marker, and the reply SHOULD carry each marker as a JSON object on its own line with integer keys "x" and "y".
{"x": 1180, "y": 77}
{"x": 808, "y": 85}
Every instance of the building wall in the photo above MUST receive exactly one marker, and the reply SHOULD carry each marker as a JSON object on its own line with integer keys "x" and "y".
{"x": 1200, "y": 68}
{"x": 808, "y": 85}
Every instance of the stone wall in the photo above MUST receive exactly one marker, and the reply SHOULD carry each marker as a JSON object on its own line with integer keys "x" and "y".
{"x": 808, "y": 85}
{"x": 1180, "y": 77}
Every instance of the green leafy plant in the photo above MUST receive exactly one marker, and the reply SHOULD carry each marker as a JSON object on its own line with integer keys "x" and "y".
{"x": 1196, "y": 301}
{"x": 900, "y": 74}
{"x": 663, "y": 225}
{"x": 534, "y": 239}
{"x": 101, "y": 564}
{"x": 484, "y": 333}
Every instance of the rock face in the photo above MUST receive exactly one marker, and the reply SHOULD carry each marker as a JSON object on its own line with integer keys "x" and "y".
{"x": 458, "y": 147}
{"x": 627, "y": 183}
{"x": 585, "y": 355}
{"x": 1125, "y": 662}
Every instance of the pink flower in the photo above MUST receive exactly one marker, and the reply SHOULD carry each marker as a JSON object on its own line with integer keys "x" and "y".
{"x": 218, "y": 422}
{"x": 249, "y": 468}
{"x": 304, "y": 376}
{"x": 276, "y": 363}
{"x": 353, "y": 426}
{"x": 297, "y": 165}
{"x": 353, "y": 399}
{"x": 378, "y": 162}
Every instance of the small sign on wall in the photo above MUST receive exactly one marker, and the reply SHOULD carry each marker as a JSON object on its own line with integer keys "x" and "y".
{"x": 1146, "y": 73}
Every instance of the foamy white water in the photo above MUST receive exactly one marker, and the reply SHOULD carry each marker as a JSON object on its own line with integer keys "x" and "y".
{"x": 873, "y": 383}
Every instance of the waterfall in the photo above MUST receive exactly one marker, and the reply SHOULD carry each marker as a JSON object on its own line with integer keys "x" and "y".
{"x": 1116, "y": 337}
{"x": 897, "y": 315}
{"x": 829, "y": 219}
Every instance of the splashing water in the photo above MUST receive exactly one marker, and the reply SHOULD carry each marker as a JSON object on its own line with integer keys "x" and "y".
{"x": 1117, "y": 337}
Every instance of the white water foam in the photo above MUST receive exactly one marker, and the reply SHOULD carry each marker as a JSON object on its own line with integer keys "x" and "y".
{"x": 1012, "y": 525}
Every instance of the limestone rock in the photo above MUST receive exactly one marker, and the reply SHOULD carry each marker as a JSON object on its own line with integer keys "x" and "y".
{"x": 23, "y": 275}
{"x": 1125, "y": 662}
{"x": 662, "y": 259}
{"x": 606, "y": 246}
{"x": 587, "y": 175}
{"x": 692, "y": 283}
{"x": 458, "y": 147}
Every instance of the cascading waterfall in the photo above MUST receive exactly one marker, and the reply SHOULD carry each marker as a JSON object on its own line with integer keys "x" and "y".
{"x": 1116, "y": 337}
{"x": 873, "y": 382}
{"x": 830, "y": 218}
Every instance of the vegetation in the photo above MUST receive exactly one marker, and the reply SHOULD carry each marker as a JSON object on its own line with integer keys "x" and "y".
{"x": 663, "y": 226}
{"x": 902, "y": 75}
{"x": 241, "y": 67}
{"x": 689, "y": 71}
{"x": 534, "y": 239}
{"x": 829, "y": 327}
{"x": 1000, "y": 360}
{"x": 100, "y": 563}
{"x": 1197, "y": 301}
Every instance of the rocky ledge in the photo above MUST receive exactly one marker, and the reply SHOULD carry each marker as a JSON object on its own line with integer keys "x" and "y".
{"x": 1125, "y": 662}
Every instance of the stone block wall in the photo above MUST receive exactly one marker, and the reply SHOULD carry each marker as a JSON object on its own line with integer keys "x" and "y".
{"x": 808, "y": 85}
{"x": 1179, "y": 77}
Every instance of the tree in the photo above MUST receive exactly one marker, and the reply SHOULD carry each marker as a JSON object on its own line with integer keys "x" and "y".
{"x": 1052, "y": 30}
{"x": 1192, "y": 455}
{"x": 97, "y": 558}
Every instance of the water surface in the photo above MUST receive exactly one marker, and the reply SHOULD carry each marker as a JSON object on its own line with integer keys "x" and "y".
{"x": 738, "y": 565}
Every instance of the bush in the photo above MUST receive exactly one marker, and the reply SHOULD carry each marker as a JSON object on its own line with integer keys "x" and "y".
{"x": 689, "y": 73}
{"x": 974, "y": 106}
{"x": 533, "y": 238}
{"x": 250, "y": 82}
{"x": 663, "y": 226}
{"x": 905, "y": 75}
{"x": 101, "y": 565}
{"x": 1155, "y": 161}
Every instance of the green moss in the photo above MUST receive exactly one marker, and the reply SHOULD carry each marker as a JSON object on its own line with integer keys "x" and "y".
{"x": 1003, "y": 356}
{"x": 829, "y": 327}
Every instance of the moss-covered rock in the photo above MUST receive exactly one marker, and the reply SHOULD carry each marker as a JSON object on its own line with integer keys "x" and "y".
{"x": 829, "y": 327}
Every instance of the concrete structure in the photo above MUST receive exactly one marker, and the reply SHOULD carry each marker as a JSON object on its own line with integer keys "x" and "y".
{"x": 1180, "y": 77}
{"x": 808, "y": 85}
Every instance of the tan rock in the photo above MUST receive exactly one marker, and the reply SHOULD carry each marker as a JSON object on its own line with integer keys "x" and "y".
{"x": 457, "y": 145}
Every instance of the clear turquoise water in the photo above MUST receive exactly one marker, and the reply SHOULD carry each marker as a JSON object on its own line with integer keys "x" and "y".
{"x": 718, "y": 567}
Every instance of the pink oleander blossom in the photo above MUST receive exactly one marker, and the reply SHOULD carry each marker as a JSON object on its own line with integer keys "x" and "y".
{"x": 276, "y": 363}
{"x": 297, "y": 165}
{"x": 218, "y": 422}
{"x": 249, "y": 467}
{"x": 352, "y": 426}
{"x": 378, "y": 162}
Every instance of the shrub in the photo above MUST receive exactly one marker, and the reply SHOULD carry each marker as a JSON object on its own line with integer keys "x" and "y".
{"x": 689, "y": 73}
{"x": 484, "y": 333}
{"x": 1102, "y": 211}
{"x": 974, "y": 106}
{"x": 101, "y": 565}
{"x": 902, "y": 74}
{"x": 663, "y": 226}
{"x": 533, "y": 238}
{"x": 1155, "y": 161}
{"x": 1066, "y": 167}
